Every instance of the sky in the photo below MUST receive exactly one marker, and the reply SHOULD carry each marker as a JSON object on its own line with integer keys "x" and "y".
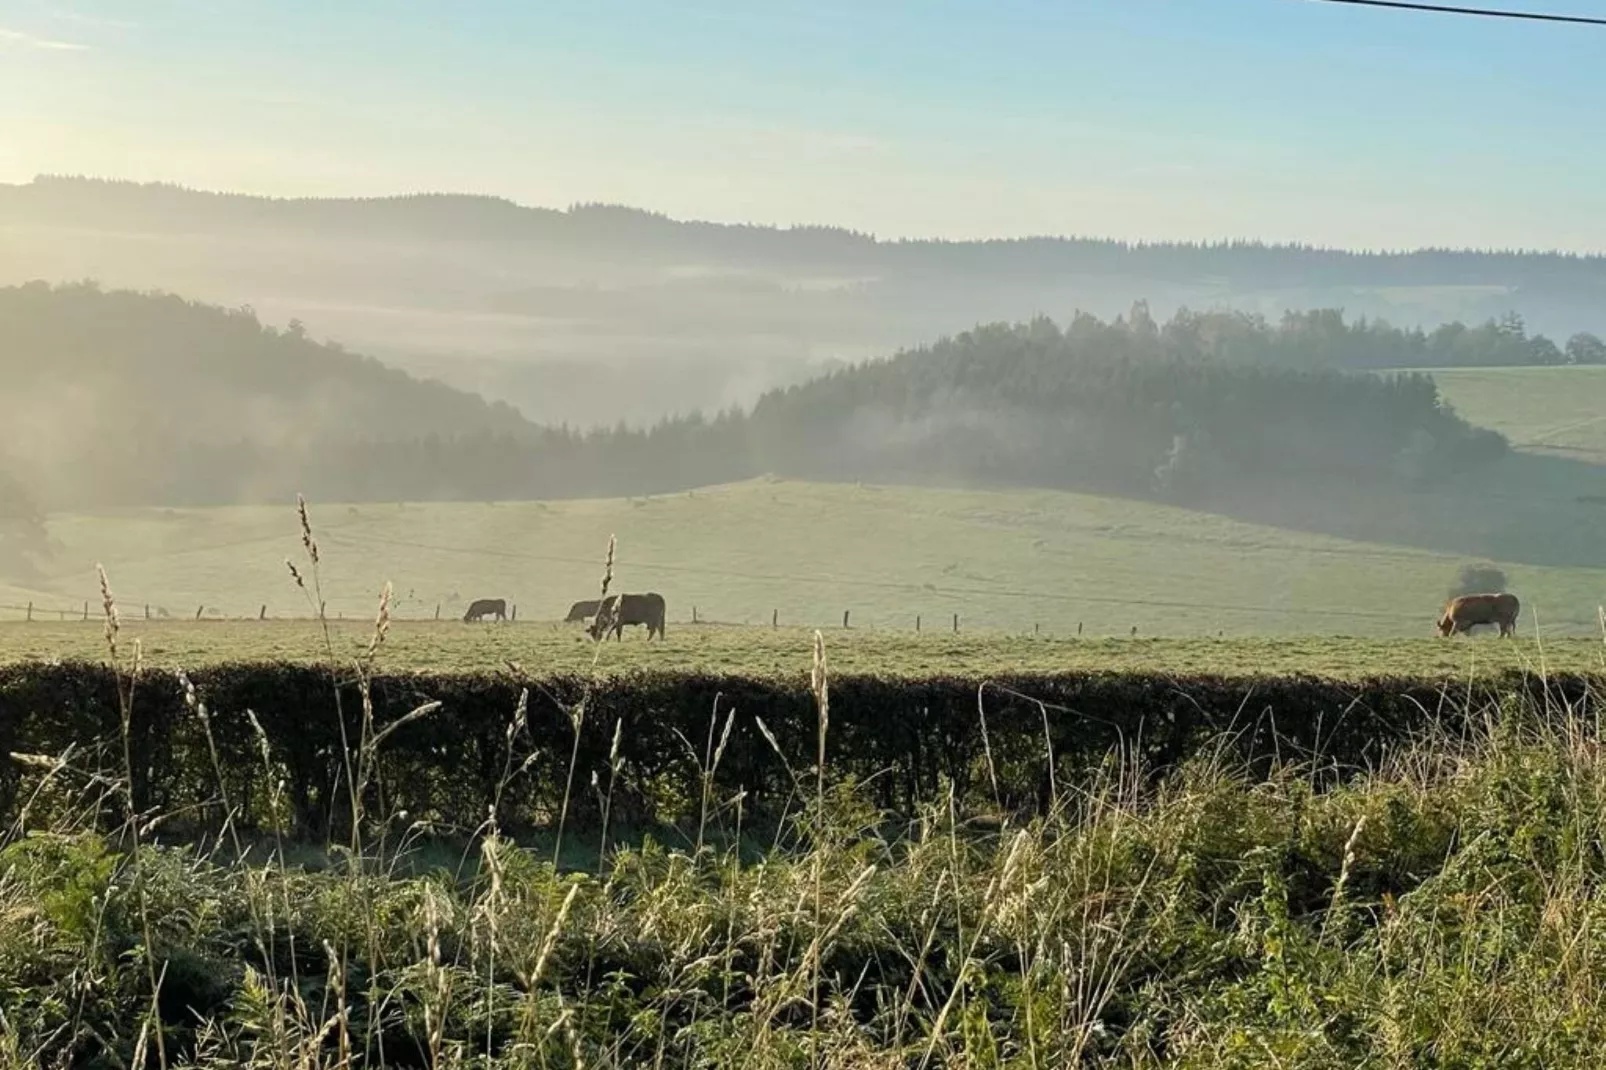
{"x": 1136, "y": 119}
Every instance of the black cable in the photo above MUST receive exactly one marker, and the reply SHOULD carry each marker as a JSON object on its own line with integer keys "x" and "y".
{"x": 1478, "y": 12}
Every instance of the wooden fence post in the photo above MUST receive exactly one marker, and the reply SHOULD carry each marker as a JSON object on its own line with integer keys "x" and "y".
{"x": 694, "y": 614}
{"x": 147, "y": 611}
{"x": 263, "y": 615}
{"x": 515, "y": 616}
{"x": 845, "y": 613}
{"x": 917, "y": 623}
{"x": 199, "y": 610}
{"x": 1037, "y": 629}
{"x": 1078, "y": 629}
{"x": 956, "y": 624}
{"x": 775, "y": 618}
{"x": 437, "y": 611}
{"x": 30, "y": 612}
{"x": 86, "y": 610}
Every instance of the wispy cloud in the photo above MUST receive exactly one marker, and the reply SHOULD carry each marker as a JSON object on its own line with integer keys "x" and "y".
{"x": 99, "y": 21}
{"x": 28, "y": 40}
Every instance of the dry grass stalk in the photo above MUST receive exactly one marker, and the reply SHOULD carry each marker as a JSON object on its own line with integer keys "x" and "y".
{"x": 606, "y": 613}
{"x": 307, "y": 541}
{"x": 381, "y": 622}
{"x": 109, "y": 607}
{"x": 820, "y": 683}
{"x": 125, "y": 703}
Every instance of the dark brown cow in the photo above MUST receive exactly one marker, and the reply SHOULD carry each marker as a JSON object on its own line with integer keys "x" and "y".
{"x": 1470, "y": 610}
{"x": 622, "y": 609}
{"x": 581, "y": 611}
{"x": 486, "y": 607}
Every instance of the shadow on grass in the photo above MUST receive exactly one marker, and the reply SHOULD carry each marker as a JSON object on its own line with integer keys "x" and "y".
{"x": 1529, "y": 509}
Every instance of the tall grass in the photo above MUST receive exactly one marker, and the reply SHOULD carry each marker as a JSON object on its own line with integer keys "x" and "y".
{"x": 1447, "y": 908}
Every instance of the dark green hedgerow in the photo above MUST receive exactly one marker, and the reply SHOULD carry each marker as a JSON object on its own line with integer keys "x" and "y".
{"x": 1447, "y": 910}
{"x": 901, "y": 739}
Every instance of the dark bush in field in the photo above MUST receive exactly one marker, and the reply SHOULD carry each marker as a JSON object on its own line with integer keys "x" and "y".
{"x": 900, "y": 738}
{"x": 1478, "y": 579}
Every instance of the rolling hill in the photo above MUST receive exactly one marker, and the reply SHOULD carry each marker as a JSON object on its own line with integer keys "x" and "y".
{"x": 1003, "y": 560}
{"x": 128, "y": 398}
{"x": 601, "y": 313}
{"x": 1559, "y": 411}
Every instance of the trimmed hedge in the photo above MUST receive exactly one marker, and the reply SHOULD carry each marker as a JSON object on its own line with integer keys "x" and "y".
{"x": 901, "y": 738}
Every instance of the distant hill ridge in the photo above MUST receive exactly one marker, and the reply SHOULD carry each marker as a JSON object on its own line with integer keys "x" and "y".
{"x": 94, "y": 201}
{"x": 598, "y": 313}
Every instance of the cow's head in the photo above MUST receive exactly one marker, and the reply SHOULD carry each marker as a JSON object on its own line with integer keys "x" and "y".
{"x": 1446, "y": 625}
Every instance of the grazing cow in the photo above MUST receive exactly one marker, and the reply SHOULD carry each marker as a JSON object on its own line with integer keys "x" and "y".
{"x": 622, "y": 609}
{"x": 486, "y": 607}
{"x": 1470, "y": 610}
{"x": 581, "y": 611}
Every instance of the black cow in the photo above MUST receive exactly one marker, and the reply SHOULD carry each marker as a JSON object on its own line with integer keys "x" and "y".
{"x": 486, "y": 607}
{"x": 581, "y": 611}
{"x": 622, "y": 609}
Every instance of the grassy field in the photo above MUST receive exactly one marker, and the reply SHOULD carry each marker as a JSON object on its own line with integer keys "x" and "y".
{"x": 1005, "y": 561}
{"x": 1445, "y": 910}
{"x": 1558, "y": 410}
{"x": 761, "y": 652}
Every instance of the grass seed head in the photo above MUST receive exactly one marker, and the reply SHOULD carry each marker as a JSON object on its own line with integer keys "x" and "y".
{"x": 381, "y": 621}
{"x": 820, "y": 683}
{"x": 109, "y": 605}
{"x": 307, "y": 540}
{"x": 607, "y": 566}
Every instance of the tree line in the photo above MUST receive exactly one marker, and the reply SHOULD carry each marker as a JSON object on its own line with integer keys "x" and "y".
{"x": 634, "y": 233}
{"x": 1326, "y": 338}
{"x": 1201, "y": 404}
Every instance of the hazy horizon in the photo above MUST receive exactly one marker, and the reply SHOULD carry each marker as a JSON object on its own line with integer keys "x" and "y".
{"x": 648, "y": 209}
{"x": 1150, "y": 120}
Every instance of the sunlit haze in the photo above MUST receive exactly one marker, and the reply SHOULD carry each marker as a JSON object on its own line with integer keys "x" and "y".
{"x": 781, "y": 533}
{"x": 1157, "y": 119}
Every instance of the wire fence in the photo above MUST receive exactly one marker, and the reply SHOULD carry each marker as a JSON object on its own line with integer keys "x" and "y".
{"x": 947, "y": 620}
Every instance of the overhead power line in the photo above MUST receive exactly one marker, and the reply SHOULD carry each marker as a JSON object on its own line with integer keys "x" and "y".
{"x": 1477, "y": 12}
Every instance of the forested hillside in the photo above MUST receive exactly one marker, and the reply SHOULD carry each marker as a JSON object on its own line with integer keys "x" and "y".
{"x": 597, "y": 313}
{"x": 119, "y": 398}
{"x": 1121, "y": 407}
{"x": 123, "y": 399}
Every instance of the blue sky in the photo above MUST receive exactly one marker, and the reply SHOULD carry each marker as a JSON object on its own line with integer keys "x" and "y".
{"x": 1196, "y": 119}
